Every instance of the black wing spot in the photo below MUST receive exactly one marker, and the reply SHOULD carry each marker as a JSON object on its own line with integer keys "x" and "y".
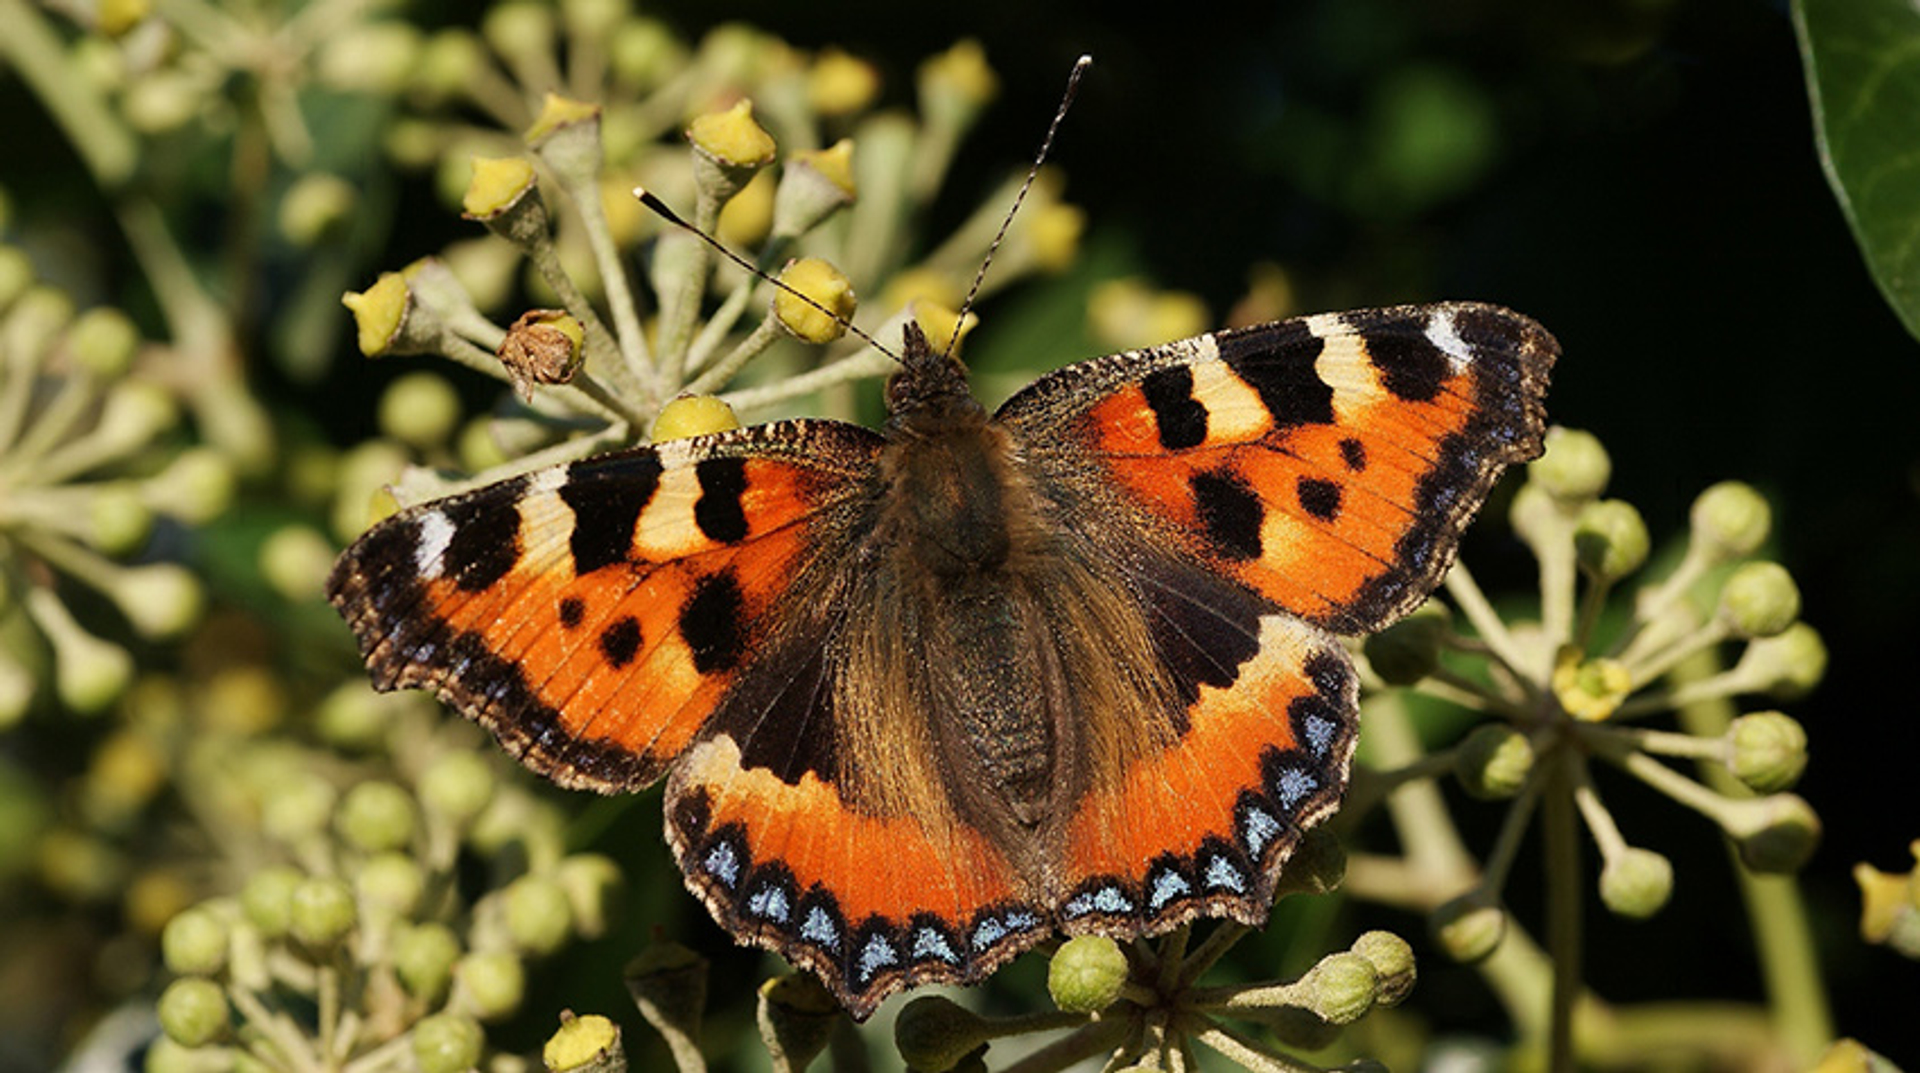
{"x": 719, "y": 513}
{"x": 606, "y": 499}
{"x": 1320, "y": 498}
{"x": 1277, "y": 360}
{"x": 1230, "y": 513}
{"x": 711, "y": 623}
{"x": 1411, "y": 367}
{"x": 572, "y": 610}
{"x": 620, "y": 642}
{"x": 1354, "y": 454}
{"x": 1181, "y": 421}
{"x": 486, "y": 537}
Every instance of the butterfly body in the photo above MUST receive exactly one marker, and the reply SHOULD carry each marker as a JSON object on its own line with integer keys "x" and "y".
{"x": 925, "y": 696}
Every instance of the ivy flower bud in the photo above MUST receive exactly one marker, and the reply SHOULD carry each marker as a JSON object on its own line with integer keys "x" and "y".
{"x": 103, "y": 341}
{"x": 594, "y": 885}
{"x": 814, "y": 186}
{"x": 1469, "y": 927}
{"x": 1494, "y": 761}
{"x": 1852, "y": 1056}
{"x": 497, "y": 186}
{"x": 1340, "y": 989}
{"x": 315, "y": 207}
{"x": 493, "y": 981}
{"x": 832, "y": 305}
{"x": 1785, "y": 666}
{"x": 294, "y": 562}
{"x": 747, "y": 217}
{"x": 797, "y": 1018}
{"x": 456, "y": 786}
{"x": 1393, "y": 964}
{"x": 589, "y": 1044}
{"x": 297, "y": 809}
{"x": 375, "y": 816}
{"x": 423, "y": 958}
{"x": 644, "y": 52}
{"x": 195, "y": 942}
{"x": 1574, "y": 468}
{"x": 1767, "y": 750}
{"x": 1636, "y": 883}
{"x": 1890, "y": 906}
{"x": 447, "y": 1043}
{"x": 160, "y": 600}
{"x": 955, "y": 85}
{"x": 934, "y": 1032}
{"x": 420, "y": 410}
{"x": 88, "y": 673}
{"x": 1759, "y": 600}
{"x": 1590, "y": 689}
{"x": 1729, "y": 521}
{"x": 449, "y": 62}
{"x": 840, "y": 83}
{"x": 119, "y": 520}
{"x": 321, "y": 912}
{"x": 728, "y": 148}
{"x": 693, "y": 415}
{"x": 539, "y": 919}
{"x": 669, "y": 984}
{"x": 1087, "y": 974}
{"x": 1773, "y": 834}
{"x": 390, "y": 884}
{"x": 266, "y": 899}
{"x": 1409, "y": 650}
{"x": 1318, "y": 865}
{"x": 1610, "y": 539}
{"x": 193, "y": 1011}
{"x": 379, "y": 312}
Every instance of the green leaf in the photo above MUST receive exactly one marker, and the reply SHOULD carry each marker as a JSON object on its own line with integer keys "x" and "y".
{"x": 1863, "y": 73}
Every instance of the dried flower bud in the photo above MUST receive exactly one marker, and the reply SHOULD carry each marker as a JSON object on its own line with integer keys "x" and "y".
{"x": 543, "y": 347}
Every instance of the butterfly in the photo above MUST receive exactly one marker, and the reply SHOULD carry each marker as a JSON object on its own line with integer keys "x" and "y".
{"x": 925, "y": 696}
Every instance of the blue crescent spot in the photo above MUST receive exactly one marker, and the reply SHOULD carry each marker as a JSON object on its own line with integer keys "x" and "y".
{"x": 818, "y": 929}
{"x": 769, "y": 902}
{"x": 1260, "y": 828}
{"x": 876, "y": 955}
{"x": 1223, "y": 874}
{"x": 1294, "y": 785}
{"x": 1167, "y": 886}
{"x": 1320, "y": 734}
{"x": 988, "y": 932}
{"x": 930, "y": 943}
{"x": 722, "y": 864}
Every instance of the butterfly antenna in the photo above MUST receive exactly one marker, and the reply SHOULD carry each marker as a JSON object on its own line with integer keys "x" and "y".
{"x": 661, "y": 210}
{"x": 1046, "y": 145}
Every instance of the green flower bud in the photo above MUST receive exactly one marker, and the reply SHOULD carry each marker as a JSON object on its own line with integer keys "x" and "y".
{"x": 423, "y": 958}
{"x": 1409, "y": 650}
{"x": 420, "y": 410}
{"x": 195, "y": 942}
{"x": 1852, "y": 1056}
{"x": 589, "y": 1044}
{"x": 456, "y": 787}
{"x": 89, "y": 674}
{"x": 1610, "y": 539}
{"x": 493, "y": 982}
{"x": 103, "y": 341}
{"x": 374, "y": 58}
{"x": 161, "y": 600}
{"x": 1318, "y": 865}
{"x": 669, "y": 984}
{"x": 955, "y": 85}
{"x": 1636, "y": 883}
{"x": 1759, "y": 600}
{"x": 299, "y": 808}
{"x": 934, "y": 1033}
{"x": 1730, "y": 521}
{"x": 594, "y": 885}
{"x": 797, "y": 1018}
{"x": 267, "y": 899}
{"x": 196, "y": 487}
{"x": 1785, "y": 666}
{"x": 644, "y": 52}
{"x": 538, "y": 916}
{"x": 352, "y": 716}
{"x": 16, "y": 696}
{"x": 1469, "y": 927}
{"x": 1393, "y": 964}
{"x": 449, "y": 62}
{"x": 447, "y": 1043}
{"x": 1774, "y": 834}
{"x": 1768, "y": 750}
{"x": 118, "y": 518}
{"x": 1574, "y": 467}
{"x": 1537, "y": 518}
{"x": 827, "y": 287}
{"x": 16, "y": 275}
{"x": 520, "y": 28}
{"x": 1494, "y": 761}
{"x": 193, "y": 1011}
{"x": 39, "y": 314}
{"x": 376, "y": 816}
{"x": 316, "y": 206}
{"x": 321, "y": 912}
{"x": 295, "y": 561}
{"x": 1340, "y": 989}
{"x": 390, "y": 884}
{"x": 1087, "y": 974}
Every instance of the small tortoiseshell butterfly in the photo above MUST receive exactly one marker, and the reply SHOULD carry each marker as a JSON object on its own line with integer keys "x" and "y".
{"x": 925, "y": 696}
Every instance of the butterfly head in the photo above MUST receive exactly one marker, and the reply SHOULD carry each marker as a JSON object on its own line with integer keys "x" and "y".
{"x": 930, "y": 391}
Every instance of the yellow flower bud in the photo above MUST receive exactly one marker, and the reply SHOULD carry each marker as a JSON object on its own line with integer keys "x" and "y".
{"x": 498, "y": 184}
{"x": 693, "y": 415}
{"x": 833, "y": 301}
{"x": 841, "y": 83}
{"x": 379, "y": 311}
{"x": 732, "y": 137}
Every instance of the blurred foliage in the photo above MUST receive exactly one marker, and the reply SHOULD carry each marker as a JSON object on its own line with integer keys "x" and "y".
{"x": 1863, "y": 72}
{"x": 186, "y": 728}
